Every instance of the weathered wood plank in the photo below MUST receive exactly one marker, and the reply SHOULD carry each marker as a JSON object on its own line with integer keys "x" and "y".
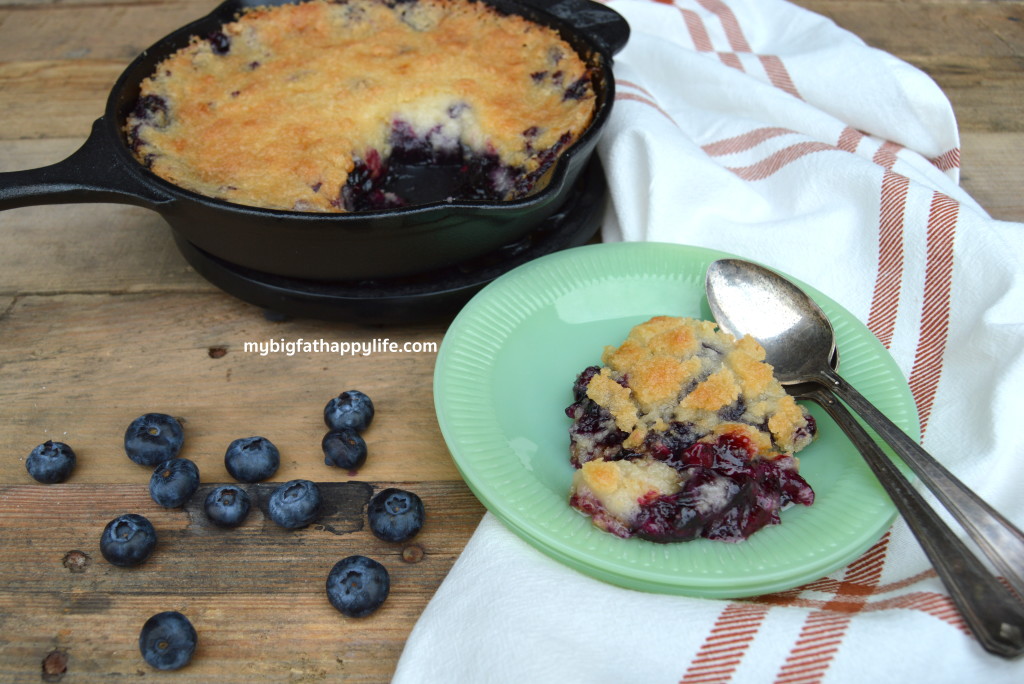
{"x": 84, "y": 247}
{"x": 991, "y": 167}
{"x": 255, "y": 593}
{"x": 80, "y": 368}
{"x": 58, "y": 63}
{"x": 82, "y": 31}
{"x": 91, "y": 248}
{"x": 49, "y": 99}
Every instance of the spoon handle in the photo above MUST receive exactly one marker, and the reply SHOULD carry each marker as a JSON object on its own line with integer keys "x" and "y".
{"x": 997, "y": 537}
{"x": 987, "y": 606}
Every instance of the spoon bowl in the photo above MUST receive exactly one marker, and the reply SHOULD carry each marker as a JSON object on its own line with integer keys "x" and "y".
{"x": 746, "y": 298}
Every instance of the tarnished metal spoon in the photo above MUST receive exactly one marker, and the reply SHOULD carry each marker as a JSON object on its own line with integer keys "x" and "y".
{"x": 748, "y": 299}
{"x": 994, "y": 617}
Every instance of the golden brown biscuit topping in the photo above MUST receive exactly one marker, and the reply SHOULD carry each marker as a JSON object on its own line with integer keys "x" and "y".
{"x": 685, "y": 433}
{"x": 286, "y": 102}
{"x": 686, "y": 370}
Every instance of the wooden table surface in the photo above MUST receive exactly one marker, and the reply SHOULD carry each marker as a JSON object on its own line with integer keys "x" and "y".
{"x": 102, "y": 320}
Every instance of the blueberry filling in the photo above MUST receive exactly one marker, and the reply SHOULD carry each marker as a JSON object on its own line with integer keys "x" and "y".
{"x": 419, "y": 169}
{"x": 219, "y": 43}
{"x": 153, "y": 109}
{"x": 727, "y": 492}
{"x": 417, "y": 173}
{"x": 150, "y": 110}
{"x": 593, "y": 433}
{"x": 726, "y": 495}
{"x": 733, "y": 412}
{"x": 434, "y": 166}
{"x": 578, "y": 89}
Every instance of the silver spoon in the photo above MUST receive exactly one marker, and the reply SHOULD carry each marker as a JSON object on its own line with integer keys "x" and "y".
{"x": 993, "y": 616}
{"x": 748, "y": 299}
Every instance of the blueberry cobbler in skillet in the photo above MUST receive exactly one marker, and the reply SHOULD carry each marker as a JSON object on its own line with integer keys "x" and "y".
{"x": 341, "y": 106}
{"x": 684, "y": 432}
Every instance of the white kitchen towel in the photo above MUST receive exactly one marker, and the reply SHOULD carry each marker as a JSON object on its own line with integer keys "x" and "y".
{"x": 759, "y": 128}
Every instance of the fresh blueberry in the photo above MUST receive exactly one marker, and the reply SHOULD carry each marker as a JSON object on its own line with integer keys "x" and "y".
{"x": 51, "y": 462}
{"x": 344, "y": 448}
{"x": 294, "y": 504}
{"x": 395, "y": 515}
{"x": 578, "y": 89}
{"x": 174, "y": 482}
{"x": 357, "y": 586}
{"x": 227, "y": 505}
{"x": 128, "y": 540}
{"x": 153, "y": 438}
{"x": 351, "y": 409}
{"x": 252, "y": 459}
{"x": 168, "y": 640}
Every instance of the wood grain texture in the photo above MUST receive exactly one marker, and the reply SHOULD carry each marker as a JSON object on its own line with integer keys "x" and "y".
{"x": 974, "y": 50}
{"x": 256, "y": 593}
{"x": 101, "y": 319}
{"x": 81, "y": 367}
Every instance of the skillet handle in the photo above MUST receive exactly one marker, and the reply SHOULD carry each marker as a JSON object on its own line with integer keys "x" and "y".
{"x": 606, "y": 27}
{"x": 93, "y": 173}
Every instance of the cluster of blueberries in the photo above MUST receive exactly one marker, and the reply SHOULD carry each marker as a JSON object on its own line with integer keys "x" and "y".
{"x": 356, "y": 585}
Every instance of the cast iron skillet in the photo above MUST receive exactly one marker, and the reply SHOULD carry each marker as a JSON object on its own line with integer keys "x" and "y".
{"x": 313, "y": 245}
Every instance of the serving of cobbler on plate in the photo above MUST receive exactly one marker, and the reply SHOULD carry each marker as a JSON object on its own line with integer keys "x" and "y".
{"x": 684, "y": 432}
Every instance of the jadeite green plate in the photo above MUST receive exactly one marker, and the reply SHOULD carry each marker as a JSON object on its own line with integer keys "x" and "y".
{"x": 504, "y": 376}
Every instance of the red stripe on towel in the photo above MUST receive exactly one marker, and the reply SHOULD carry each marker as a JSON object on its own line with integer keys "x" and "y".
{"x": 773, "y": 163}
{"x": 773, "y": 66}
{"x": 733, "y": 32}
{"x": 850, "y": 139}
{"x": 725, "y": 646}
{"x": 745, "y": 141}
{"x": 731, "y": 59}
{"x": 778, "y": 74}
{"x": 647, "y": 101}
{"x": 817, "y": 644}
{"x": 938, "y": 283}
{"x": 886, "y": 297}
{"x": 947, "y": 160}
{"x": 824, "y": 629}
{"x": 866, "y": 571}
{"x": 793, "y": 600}
{"x": 623, "y": 83}
{"x": 702, "y": 39}
{"x": 886, "y": 154}
{"x": 939, "y": 606}
{"x": 698, "y": 32}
